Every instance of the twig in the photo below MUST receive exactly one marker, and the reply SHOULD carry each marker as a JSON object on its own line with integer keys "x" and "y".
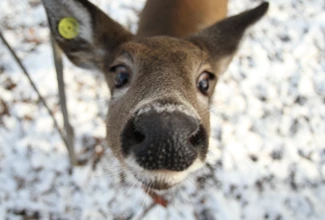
{"x": 34, "y": 87}
{"x": 158, "y": 199}
{"x": 69, "y": 133}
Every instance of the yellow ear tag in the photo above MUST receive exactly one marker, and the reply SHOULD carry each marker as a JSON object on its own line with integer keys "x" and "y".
{"x": 68, "y": 28}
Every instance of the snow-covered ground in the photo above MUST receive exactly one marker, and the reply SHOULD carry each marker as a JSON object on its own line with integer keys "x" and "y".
{"x": 267, "y": 157}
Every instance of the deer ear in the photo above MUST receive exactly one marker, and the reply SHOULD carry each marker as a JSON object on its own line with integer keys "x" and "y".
{"x": 221, "y": 40}
{"x": 84, "y": 33}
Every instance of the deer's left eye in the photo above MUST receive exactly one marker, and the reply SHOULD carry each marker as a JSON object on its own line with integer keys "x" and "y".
{"x": 122, "y": 76}
{"x": 203, "y": 83}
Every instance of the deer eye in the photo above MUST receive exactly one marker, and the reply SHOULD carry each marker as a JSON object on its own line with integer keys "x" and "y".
{"x": 122, "y": 75}
{"x": 203, "y": 82}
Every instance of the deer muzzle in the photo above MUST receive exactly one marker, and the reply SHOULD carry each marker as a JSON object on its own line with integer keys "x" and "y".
{"x": 164, "y": 140}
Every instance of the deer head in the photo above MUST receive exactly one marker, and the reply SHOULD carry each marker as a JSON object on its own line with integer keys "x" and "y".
{"x": 161, "y": 86}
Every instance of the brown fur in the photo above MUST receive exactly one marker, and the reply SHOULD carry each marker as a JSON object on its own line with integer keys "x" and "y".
{"x": 179, "y": 18}
{"x": 164, "y": 67}
{"x": 161, "y": 67}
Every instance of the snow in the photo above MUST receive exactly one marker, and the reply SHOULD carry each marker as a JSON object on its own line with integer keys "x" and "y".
{"x": 267, "y": 154}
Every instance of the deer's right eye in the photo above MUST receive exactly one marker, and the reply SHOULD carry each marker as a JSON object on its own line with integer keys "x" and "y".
{"x": 122, "y": 76}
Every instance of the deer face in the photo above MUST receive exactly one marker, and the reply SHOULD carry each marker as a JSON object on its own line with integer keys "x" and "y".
{"x": 158, "y": 118}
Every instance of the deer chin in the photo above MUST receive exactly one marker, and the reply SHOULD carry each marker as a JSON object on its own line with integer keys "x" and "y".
{"x": 159, "y": 179}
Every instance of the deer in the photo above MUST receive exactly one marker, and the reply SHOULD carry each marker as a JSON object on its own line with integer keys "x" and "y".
{"x": 161, "y": 79}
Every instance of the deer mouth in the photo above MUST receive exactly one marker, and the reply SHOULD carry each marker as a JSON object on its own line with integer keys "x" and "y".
{"x": 155, "y": 184}
{"x": 159, "y": 179}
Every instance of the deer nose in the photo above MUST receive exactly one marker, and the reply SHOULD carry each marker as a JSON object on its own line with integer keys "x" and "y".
{"x": 163, "y": 140}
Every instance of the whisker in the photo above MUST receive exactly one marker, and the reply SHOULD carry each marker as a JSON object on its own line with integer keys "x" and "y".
{"x": 126, "y": 191}
{"x": 191, "y": 183}
{"x": 214, "y": 107}
{"x": 111, "y": 174}
{"x": 138, "y": 215}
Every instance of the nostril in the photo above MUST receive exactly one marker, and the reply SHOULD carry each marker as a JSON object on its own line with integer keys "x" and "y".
{"x": 137, "y": 134}
{"x": 198, "y": 137}
{"x": 131, "y": 136}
